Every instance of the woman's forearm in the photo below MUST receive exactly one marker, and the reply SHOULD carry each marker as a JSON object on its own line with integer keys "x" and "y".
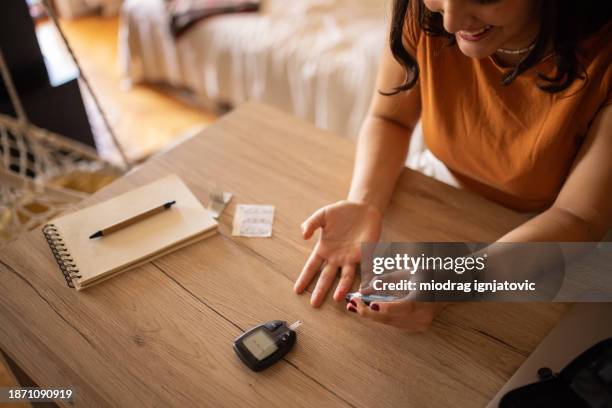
{"x": 381, "y": 156}
{"x": 544, "y": 261}
{"x": 556, "y": 225}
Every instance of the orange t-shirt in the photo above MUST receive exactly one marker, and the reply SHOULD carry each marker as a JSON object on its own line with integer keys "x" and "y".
{"x": 513, "y": 144}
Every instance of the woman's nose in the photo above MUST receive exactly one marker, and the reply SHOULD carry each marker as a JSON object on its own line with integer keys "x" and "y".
{"x": 455, "y": 14}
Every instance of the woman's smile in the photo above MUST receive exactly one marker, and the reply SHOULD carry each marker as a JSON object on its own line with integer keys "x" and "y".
{"x": 474, "y": 35}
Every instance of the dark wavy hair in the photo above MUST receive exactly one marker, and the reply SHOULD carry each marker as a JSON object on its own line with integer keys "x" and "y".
{"x": 564, "y": 24}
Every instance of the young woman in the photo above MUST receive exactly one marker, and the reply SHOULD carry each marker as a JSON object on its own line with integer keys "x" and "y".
{"x": 515, "y": 98}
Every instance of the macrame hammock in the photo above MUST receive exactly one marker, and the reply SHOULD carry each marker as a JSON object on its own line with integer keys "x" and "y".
{"x": 43, "y": 173}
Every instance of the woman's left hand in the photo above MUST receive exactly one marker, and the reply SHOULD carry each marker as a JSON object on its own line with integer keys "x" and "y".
{"x": 408, "y": 315}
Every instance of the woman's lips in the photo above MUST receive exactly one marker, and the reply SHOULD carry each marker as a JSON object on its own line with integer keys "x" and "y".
{"x": 475, "y": 35}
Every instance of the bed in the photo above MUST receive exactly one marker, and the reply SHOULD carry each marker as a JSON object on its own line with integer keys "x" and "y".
{"x": 316, "y": 59}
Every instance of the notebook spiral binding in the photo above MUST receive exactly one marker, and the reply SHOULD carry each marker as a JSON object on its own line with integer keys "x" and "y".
{"x": 61, "y": 254}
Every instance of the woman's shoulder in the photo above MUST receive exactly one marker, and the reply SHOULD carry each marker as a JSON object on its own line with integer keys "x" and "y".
{"x": 420, "y": 32}
{"x": 595, "y": 57}
{"x": 598, "y": 43}
{"x": 412, "y": 32}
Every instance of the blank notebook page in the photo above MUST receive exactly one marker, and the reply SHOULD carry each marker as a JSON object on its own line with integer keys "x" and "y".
{"x": 97, "y": 258}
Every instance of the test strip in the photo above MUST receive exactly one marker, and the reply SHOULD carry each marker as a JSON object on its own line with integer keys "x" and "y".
{"x": 295, "y": 325}
{"x": 217, "y": 200}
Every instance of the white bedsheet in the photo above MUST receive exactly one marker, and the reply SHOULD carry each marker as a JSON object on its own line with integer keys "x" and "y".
{"x": 313, "y": 58}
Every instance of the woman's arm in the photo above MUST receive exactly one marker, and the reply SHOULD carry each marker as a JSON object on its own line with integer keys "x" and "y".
{"x": 381, "y": 153}
{"x": 384, "y": 137}
{"x": 582, "y": 212}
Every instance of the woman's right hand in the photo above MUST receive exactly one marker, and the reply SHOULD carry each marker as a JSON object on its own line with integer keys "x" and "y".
{"x": 345, "y": 225}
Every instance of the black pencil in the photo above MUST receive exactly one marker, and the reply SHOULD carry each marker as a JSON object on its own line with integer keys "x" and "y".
{"x": 133, "y": 220}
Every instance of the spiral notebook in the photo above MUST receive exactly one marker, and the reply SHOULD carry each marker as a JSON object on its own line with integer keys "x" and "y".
{"x": 85, "y": 262}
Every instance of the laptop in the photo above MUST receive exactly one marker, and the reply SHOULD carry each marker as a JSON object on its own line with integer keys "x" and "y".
{"x": 582, "y": 327}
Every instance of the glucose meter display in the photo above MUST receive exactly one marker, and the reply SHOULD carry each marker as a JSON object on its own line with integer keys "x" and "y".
{"x": 260, "y": 344}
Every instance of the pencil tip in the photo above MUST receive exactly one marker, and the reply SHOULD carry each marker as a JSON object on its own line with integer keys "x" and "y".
{"x": 96, "y": 235}
{"x": 169, "y": 204}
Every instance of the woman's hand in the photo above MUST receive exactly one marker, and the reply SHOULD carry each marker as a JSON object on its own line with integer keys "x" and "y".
{"x": 404, "y": 314}
{"x": 344, "y": 227}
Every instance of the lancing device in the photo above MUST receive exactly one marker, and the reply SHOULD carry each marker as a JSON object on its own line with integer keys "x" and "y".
{"x": 264, "y": 345}
{"x": 367, "y": 299}
{"x": 132, "y": 220}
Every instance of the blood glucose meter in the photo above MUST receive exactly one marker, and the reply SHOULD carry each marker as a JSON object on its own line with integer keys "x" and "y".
{"x": 265, "y": 344}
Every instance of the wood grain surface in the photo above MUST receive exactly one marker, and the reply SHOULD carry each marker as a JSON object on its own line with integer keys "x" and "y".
{"x": 161, "y": 334}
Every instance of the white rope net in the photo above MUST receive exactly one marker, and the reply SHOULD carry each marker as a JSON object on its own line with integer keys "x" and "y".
{"x": 43, "y": 173}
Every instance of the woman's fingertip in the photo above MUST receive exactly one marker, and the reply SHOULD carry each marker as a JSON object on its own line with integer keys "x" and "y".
{"x": 297, "y": 288}
{"x": 314, "y": 302}
{"x": 306, "y": 234}
{"x": 375, "y": 307}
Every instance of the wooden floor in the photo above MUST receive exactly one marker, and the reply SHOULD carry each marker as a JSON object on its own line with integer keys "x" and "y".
{"x": 144, "y": 118}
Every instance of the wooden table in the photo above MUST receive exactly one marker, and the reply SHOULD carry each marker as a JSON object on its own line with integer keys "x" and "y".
{"x": 161, "y": 334}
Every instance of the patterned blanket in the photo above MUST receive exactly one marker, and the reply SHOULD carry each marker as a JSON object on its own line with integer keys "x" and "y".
{"x": 184, "y": 14}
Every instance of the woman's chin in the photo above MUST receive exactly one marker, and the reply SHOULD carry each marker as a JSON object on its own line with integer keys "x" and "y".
{"x": 472, "y": 50}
